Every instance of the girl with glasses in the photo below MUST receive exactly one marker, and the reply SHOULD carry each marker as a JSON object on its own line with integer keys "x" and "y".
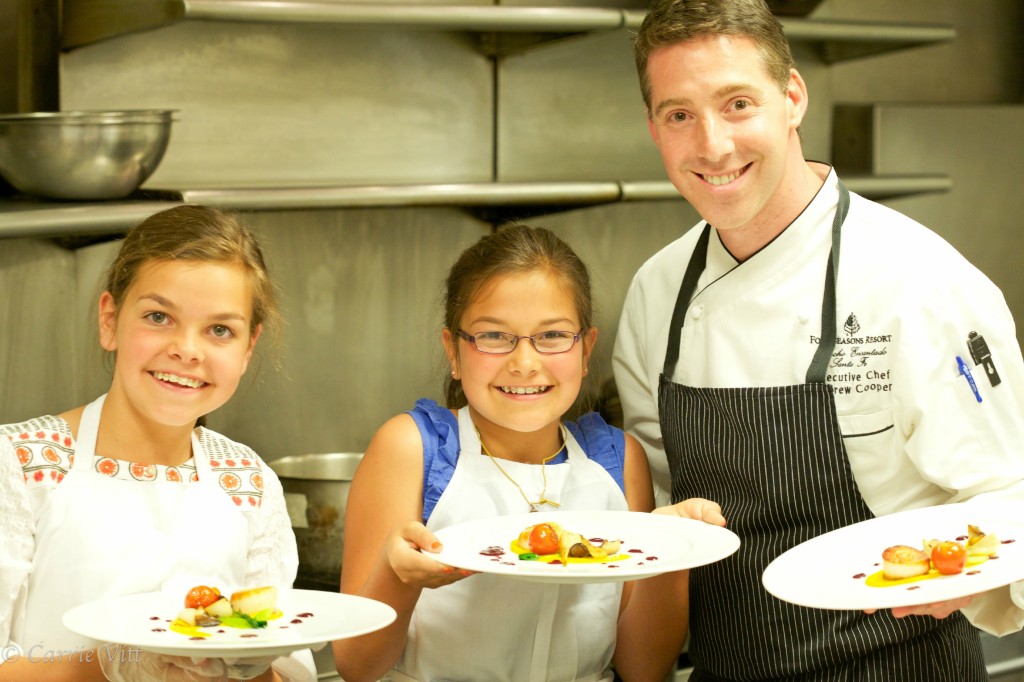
{"x": 518, "y": 336}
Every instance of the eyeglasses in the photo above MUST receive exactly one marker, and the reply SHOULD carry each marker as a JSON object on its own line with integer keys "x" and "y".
{"x": 502, "y": 343}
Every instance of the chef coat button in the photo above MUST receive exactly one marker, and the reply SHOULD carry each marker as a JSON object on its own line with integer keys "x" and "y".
{"x": 697, "y": 312}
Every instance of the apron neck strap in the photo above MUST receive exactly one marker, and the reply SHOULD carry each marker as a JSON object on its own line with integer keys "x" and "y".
{"x": 693, "y": 271}
{"x": 698, "y": 260}
{"x": 88, "y": 431}
{"x": 822, "y": 356}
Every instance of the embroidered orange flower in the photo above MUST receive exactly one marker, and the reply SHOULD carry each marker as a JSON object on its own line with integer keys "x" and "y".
{"x": 107, "y": 466}
{"x": 173, "y": 475}
{"x": 230, "y": 481}
{"x": 143, "y": 472}
{"x": 194, "y": 477}
{"x": 24, "y": 454}
{"x": 257, "y": 480}
{"x": 50, "y": 455}
{"x": 237, "y": 500}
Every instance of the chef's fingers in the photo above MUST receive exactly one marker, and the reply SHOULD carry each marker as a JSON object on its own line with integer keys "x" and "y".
{"x": 696, "y": 508}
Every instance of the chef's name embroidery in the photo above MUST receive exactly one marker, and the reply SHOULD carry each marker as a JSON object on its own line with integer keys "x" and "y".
{"x": 853, "y": 368}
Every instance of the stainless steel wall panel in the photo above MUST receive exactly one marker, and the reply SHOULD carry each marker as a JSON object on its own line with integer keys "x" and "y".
{"x": 287, "y": 105}
{"x": 37, "y": 355}
{"x": 571, "y": 110}
{"x": 982, "y": 65}
{"x": 362, "y": 295}
{"x": 980, "y": 215}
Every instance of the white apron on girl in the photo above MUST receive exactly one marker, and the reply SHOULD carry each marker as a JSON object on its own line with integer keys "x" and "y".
{"x": 102, "y": 537}
{"x": 494, "y": 628}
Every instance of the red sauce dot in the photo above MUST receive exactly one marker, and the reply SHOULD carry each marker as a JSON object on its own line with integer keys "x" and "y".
{"x": 159, "y": 630}
{"x": 154, "y": 617}
{"x": 973, "y": 572}
{"x": 652, "y": 558}
{"x": 859, "y": 576}
{"x": 295, "y": 621}
{"x": 249, "y": 635}
{"x": 1006, "y": 542}
{"x": 635, "y": 551}
{"x": 197, "y": 638}
{"x": 555, "y": 561}
{"x": 305, "y": 615}
{"x": 915, "y": 587}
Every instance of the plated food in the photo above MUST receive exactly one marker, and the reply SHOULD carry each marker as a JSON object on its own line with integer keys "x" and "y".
{"x": 949, "y": 564}
{"x": 206, "y": 607}
{"x": 550, "y": 542}
{"x": 309, "y": 619}
{"x": 570, "y": 546}
{"x": 901, "y": 563}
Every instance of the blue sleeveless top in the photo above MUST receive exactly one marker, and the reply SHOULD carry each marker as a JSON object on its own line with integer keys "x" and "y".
{"x": 439, "y": 429}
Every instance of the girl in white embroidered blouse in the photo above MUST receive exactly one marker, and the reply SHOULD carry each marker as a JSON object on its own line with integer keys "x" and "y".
{"x": 131, "y": 493}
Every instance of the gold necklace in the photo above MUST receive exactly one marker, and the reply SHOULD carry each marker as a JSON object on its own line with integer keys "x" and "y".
{"x": 543, "y": 472}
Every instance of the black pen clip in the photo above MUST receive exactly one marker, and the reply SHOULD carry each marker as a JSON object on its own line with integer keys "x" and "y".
{"x": 982, "y": 356}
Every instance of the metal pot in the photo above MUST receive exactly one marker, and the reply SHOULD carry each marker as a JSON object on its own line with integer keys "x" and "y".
{"x": 316, "y": 492}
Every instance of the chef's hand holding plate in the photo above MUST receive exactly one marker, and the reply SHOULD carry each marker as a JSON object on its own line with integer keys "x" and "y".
{"x": 696, "y": 508}
{"x": 415, "y": 567}
{"x": 937, "y": 610}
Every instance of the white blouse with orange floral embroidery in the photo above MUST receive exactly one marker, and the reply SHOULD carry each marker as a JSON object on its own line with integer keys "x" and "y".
{"x": 37, "y": 454}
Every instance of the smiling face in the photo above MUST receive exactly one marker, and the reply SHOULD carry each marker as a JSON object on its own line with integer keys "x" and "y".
{"x": 523, "y": 391}
{"x": 182, "y": 338}
{"x": 727, "y": 134}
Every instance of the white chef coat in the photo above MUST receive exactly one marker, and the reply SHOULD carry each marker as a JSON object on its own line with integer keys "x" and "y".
{"x": 464, "y": 631}
{"x": 906, "y": 301}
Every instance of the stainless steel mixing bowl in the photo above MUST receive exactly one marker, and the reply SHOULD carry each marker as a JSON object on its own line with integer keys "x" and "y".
{"x": 83, "y": 155}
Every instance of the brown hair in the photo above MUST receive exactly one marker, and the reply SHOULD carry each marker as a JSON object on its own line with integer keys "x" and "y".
{"x": 196, "y": 233}
{"x": 670, "y": 22}
{"x": 511, "y": 249}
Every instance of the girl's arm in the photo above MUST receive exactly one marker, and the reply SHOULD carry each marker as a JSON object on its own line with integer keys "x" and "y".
{"x": 654, "y": 620}
{"x": 383, "y": 535}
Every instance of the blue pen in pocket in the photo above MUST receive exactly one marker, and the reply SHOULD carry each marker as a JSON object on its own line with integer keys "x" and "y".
{"x": 966, "y": 371}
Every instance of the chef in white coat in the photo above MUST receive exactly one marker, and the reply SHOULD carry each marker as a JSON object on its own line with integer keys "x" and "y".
{"x": 806, "y": 358}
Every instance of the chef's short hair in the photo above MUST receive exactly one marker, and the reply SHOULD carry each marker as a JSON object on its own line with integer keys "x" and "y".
{"x": 670, "y": 22}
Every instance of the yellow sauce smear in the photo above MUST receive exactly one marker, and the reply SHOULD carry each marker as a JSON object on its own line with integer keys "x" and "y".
{"x": 183, "y": 628}
{"x": 547, "y": 558}
{"x": 879, "y": 580}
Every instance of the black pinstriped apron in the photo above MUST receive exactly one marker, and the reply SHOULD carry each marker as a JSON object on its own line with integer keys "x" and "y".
{"x": 774, "y": 459}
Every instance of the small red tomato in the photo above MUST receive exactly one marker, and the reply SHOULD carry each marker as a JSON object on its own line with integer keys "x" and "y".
{"x": 543, "y": 539}
{"x": 949, "y": 557}
{"x": 201, "y": 596}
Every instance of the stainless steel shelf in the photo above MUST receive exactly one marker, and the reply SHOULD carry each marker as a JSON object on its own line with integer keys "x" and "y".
{"x": 89, "y": 21}
{"x": 22, "y": 217}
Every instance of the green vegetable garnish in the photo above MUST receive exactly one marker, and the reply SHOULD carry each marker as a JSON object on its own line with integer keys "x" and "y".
{"x": 528, "y": 556}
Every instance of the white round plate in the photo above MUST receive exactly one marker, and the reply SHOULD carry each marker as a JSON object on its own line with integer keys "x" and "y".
{"x": 311, "y": 618}
{"x": 830, "y": 571}
{"x": 653, "y": 544}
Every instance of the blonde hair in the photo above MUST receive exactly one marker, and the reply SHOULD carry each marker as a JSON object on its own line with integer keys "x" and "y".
{"x": 512, "y": 249}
